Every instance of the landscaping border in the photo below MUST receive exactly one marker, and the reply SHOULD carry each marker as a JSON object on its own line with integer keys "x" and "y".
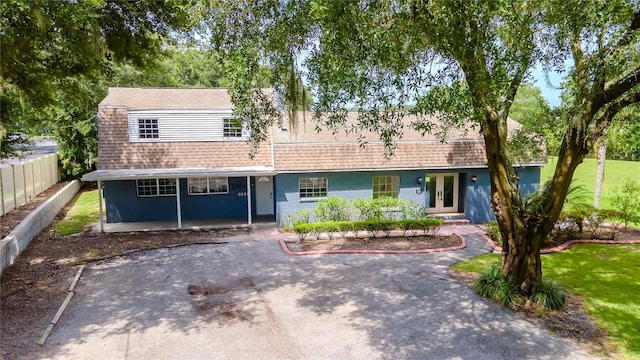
{"x": 288, "y": 251}
{"x": 18, "y": 239}
{"x": 562, "y": 246}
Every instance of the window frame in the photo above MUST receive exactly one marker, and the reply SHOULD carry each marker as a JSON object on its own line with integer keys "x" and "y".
{"x": 159, "y": 187}
{"x": 312, "y": 188}
{"x": 209, "y": 185}
{"x": 230, "y": 132}
{"x": 144, "y": 131}
{"x": 391, "y": 185}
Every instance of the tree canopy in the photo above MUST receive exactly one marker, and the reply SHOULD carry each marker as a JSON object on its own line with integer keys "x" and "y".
{"x": 50, "y": 47}
{"x": 462, "y": 60}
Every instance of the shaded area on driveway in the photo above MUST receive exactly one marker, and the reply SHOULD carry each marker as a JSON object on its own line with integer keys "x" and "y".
{"x": 247, "y": 299}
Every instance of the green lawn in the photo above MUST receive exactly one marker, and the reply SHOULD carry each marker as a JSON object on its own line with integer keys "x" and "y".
{"x": 615, "y": 174}
{"x": 606, "y": 276}
{"x": 84, "y": 210}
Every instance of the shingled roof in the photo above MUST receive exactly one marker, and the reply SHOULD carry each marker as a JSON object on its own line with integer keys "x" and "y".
{"x": 303, "y": 148}
{"x": 168, "y": 98}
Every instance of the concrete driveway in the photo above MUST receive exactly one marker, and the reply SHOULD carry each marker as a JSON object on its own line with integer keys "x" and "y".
{"x": 246, "y": 299}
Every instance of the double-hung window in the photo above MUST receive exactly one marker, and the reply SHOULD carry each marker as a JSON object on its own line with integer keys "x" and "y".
{"x": 311, "y": 188}
{"x": 386, "y": 186}
{"x": 156, "y": 187}
{"x": 208, "y": 185}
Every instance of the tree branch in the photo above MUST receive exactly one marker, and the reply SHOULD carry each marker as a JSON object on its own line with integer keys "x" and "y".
{"x": 615, "y": 89}
{"x": 604, "y": 121}
{"x": 513, "y": 89}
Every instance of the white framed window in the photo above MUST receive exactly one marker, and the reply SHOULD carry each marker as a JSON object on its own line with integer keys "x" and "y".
{"x": 148, "y": 129}
{"x": 232, "y": 128}
{"x": 210, "y": 185}
{"x": 156, "y": 187}
{"x": 312, "y": 188}
{"x": 388, "y": 185}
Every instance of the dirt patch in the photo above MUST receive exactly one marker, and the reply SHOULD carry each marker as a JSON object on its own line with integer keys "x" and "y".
{"x": 209, "y": 299}
{"x": 13, "y": 218}
{"x": 571, "y": 322}
{"x": 35, "y": 286}
{"x": 384, "y": 243}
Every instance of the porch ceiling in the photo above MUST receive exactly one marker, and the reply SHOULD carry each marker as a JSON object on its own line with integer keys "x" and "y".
{"x": 133, "y": 174}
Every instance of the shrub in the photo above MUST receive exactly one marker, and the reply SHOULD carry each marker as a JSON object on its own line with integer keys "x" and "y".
{"x": 492, "y": 284}
{"x": 298, "y": 217}
{"x": 551, "y": 296}
{"x": 627, "y": 201}
{"x": 374, "y": 226}
{"x": 386, "y": 208}
{"x": 332, "y": 209}
{"x": 494, "y": 232}
{"x": 367, "y": 209}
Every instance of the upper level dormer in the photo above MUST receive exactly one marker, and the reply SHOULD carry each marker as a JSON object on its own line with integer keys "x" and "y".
{"x": 173, "y": 128}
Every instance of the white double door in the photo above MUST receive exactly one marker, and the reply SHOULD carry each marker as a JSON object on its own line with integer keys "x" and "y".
{"x": 441, "y": 192}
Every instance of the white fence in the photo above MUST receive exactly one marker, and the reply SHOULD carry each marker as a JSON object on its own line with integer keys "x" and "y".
{"x": 24, "y": 181}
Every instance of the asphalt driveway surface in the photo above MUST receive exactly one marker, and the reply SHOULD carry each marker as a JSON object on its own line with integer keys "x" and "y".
{"x": 246, "y": 299}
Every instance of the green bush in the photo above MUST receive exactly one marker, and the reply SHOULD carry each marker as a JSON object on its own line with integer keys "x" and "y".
{"x": 551, "y": 296}
{"x": 386, "y": 208}
{"x": 332, "y": 209}
{"x": 494, "y": 232}
{"x": 374, "y": 226}
{"x": 298, "y": 217}
{"x": 627, "y": 201}
{"x": 492, "y": 284}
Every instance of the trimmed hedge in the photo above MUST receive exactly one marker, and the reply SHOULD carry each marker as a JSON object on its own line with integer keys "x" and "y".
{"x": 374, "y": 226}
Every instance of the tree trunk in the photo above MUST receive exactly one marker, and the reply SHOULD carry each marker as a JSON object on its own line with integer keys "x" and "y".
{"x": 521, "y": 260}
{"x": 602, "y": 157}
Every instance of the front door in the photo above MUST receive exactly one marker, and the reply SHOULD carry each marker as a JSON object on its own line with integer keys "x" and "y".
{"x": 264, "y": 195}
{"x": 442, "y": 193}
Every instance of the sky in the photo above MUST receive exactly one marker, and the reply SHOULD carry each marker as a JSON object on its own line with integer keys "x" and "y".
{"x": 549, "y": 84}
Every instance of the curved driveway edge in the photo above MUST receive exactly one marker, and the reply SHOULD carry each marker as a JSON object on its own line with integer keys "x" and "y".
{"x": 285, "y": 248}
{"x": 563, "y": 246}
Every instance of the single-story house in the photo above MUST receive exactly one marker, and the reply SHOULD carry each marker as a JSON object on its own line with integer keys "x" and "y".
{"x": 167, "y": 154}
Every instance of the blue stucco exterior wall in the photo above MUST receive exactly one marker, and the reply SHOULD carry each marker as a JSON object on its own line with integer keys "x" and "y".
{"x": 123, "y": 204}
{"x": 473, "y": 199}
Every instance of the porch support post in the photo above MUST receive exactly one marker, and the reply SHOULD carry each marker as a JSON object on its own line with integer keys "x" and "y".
{"x": 100, "y": 205}
{"x": 178, "y": 209}
{"x": 249, "y": 200}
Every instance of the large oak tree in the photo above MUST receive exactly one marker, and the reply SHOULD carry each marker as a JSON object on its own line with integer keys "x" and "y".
{"x": 464, "y": 60}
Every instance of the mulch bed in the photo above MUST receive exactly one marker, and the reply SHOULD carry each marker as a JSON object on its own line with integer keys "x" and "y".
{"x": 394, "y": 243}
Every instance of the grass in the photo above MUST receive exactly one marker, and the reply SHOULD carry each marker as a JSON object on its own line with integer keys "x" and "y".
{"x": 606, "y": 276}
{"x": 615, "y": 174}
{"x": 84, "y": 211}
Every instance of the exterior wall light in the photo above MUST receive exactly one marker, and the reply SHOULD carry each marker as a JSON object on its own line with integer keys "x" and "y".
{"x": 419, "y": 180}
{"x": 474, "y": 178}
